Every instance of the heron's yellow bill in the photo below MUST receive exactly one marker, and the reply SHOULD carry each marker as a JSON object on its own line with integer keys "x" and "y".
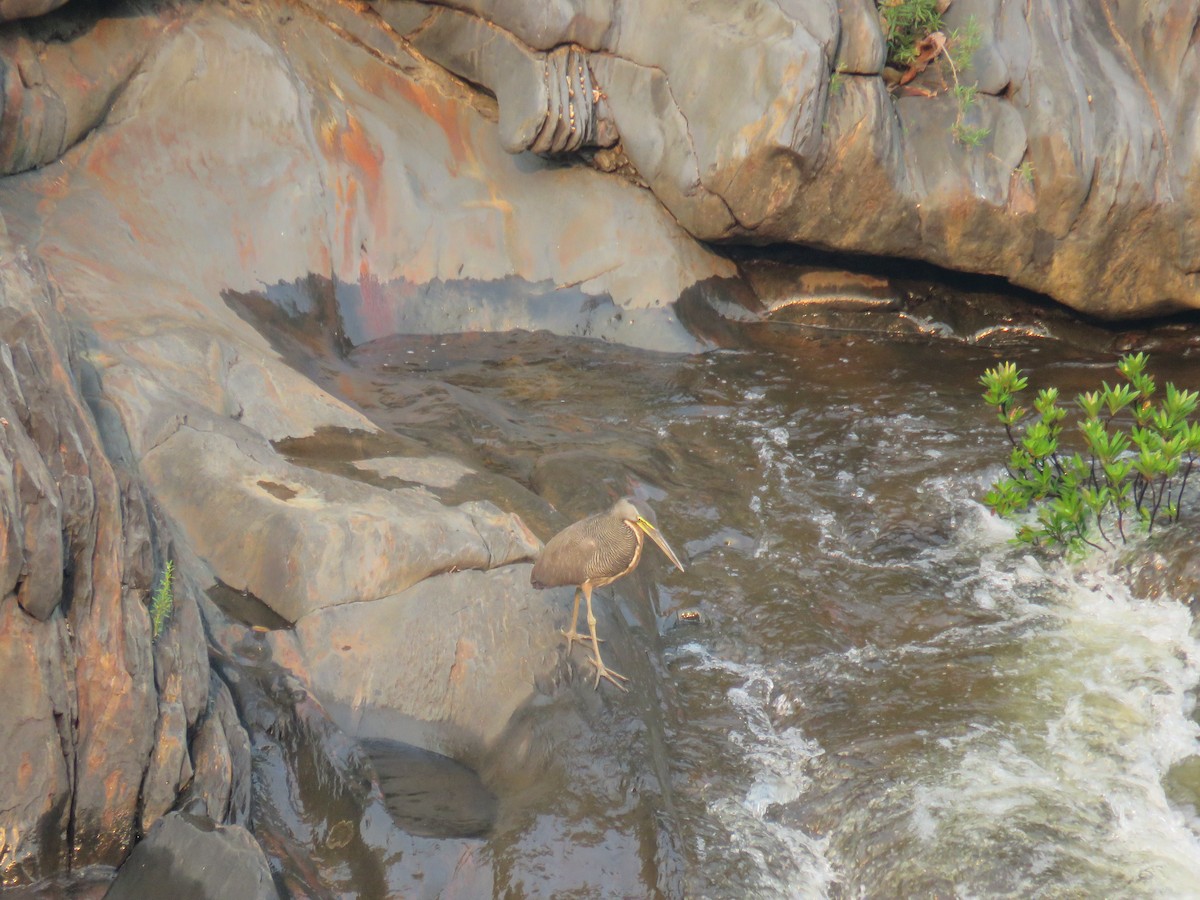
{"x": 656, "y": 536}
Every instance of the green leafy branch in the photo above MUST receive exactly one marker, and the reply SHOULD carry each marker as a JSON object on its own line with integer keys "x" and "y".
{"x": 1137, "y": 456}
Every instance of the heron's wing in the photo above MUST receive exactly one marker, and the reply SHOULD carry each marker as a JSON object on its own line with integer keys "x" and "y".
{"x": 568, "y": 558}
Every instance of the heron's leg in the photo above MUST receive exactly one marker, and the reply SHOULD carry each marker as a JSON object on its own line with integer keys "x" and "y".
{"x": 602, "y": 671}
{"x": 574, "y": 635}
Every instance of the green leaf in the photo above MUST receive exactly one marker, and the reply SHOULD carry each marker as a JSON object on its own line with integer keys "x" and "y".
{"x": 1090, "y": 403}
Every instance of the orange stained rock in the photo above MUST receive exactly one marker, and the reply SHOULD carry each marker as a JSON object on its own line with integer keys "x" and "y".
{"x": 447, "y": 114}
{"x": 113, "y": 789}
{"x": 353, "y": 144}
{"x": 464, "y": 652}
{"x": 360, "y": 151}
{"x": 246, "y": 251}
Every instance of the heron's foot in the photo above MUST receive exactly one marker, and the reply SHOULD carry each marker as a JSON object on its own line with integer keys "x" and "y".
{"x": 603, "y": 671}
{"x": 573, "y": 636}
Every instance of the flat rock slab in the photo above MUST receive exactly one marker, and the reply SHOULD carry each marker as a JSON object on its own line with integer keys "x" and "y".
{"x": 320, "y": 540}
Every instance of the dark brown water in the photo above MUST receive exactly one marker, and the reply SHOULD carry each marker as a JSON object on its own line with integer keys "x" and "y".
{"x": 867, "y": 690}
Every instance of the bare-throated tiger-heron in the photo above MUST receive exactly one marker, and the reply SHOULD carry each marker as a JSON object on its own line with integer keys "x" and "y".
{"x": 592, "y": 553}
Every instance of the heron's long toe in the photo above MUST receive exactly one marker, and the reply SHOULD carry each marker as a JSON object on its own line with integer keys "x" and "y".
{"x": 573, "y": 636}
{"x": 603, "y": 671}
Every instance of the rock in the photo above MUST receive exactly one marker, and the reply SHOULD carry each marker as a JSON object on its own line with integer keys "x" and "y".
{"x": 318, "y": 797}
{"x": 55, "y": 91}
{"x": 190, "y": 858}
{"x": 169, "y": 766}
{"x": 334, "y": 540}
{"x": 91, "y": 649}
{"x": 184, "y": 692}
{"x": 862, "y": 49}
{"x": 37, "y": 765}
{"x": 486, "y": 641}
{"x": 548, "y": 101}
{"x": 221, "y": 757}
{"x": 32, "y": 500}
{"x": 20, "y": 9}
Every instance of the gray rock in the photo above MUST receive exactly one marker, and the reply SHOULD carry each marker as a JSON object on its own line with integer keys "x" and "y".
{"x": 80, "y": 647}
{"x": 56, "y": 91}
{"x": 190, "y": 858}
{"x": 861, "y": 47}
{"x": 37, "y": 765}
{"x": 20, "y": 9}
{"x": 220, "y": 751}
{"x": 170, "y": 765}
{"x": 333, "y": 540}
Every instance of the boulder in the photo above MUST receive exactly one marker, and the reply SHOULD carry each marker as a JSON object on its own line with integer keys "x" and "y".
{"x": 443, "y": 665}
{"x": 189, "y": 857}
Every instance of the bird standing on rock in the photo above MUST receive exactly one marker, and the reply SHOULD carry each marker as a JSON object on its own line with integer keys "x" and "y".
{"x": 592, "y": 553}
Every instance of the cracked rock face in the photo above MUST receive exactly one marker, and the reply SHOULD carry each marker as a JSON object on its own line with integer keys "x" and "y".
{"x": 770, "y": 122}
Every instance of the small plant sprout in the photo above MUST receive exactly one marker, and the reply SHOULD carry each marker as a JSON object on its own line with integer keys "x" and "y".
{"x": 162, "y": 601}
{"x": 961, "y": 45}
{"x": 1131, "y": 470}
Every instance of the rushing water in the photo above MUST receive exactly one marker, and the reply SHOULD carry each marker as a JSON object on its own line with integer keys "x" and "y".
{"x": 880, "y": 696}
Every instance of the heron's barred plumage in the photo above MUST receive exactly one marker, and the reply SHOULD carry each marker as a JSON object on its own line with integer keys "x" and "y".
{"x": 615, "y": 551}
{"x": 599, "y": 549}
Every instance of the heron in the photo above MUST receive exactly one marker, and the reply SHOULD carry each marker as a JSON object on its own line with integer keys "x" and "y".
{"x": 592, "y": 553}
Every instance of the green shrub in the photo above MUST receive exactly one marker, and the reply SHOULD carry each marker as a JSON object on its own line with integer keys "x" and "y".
{"x": 163, "y": 601}
{"x": 1137, "y": 453}
{"x": 905, "y": 24}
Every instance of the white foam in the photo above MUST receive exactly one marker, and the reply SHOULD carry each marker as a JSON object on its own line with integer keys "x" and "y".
{"x": 1060, "y": 789}
{"x": 1070, "y": 777}
{"x": 790, "y": 862}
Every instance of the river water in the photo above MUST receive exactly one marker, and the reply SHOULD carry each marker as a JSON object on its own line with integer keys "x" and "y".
{"x": 867, "y": 690}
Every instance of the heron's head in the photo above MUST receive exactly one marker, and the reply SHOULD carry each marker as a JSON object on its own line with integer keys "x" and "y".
{"x": 627, "y": 511}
